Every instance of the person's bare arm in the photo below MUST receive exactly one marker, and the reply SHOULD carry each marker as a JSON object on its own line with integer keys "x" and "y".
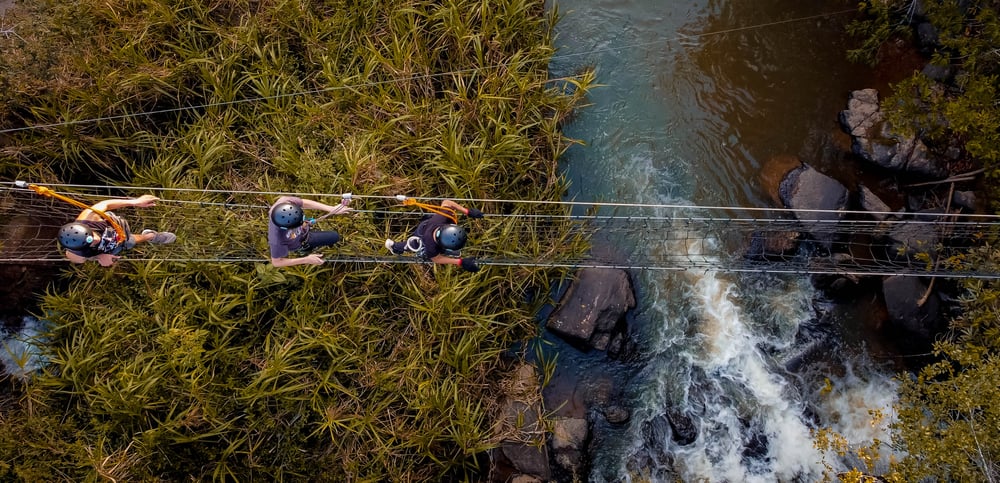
{"x": 470, "y": 212}
{"x": 74, "y": 257}
{"x": 337, "y": 209}
{"x": 455, "y": 206}
{"x": 468, "y": 264}
{"x": 143, "y": 201}
{"x": 446, "y": 260}
{"x": 105, "y": 259}
{"x": 311, "y": 259}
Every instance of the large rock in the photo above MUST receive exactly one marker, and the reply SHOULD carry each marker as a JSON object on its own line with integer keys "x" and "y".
{"x": 593, "y": 309}
{"x": 919, "y": 238}
{"x": 772, "y": 245}
{"x": 685, "y": 431}
{"x": 527, "y": 460}
{"x": 863, "y": 113}
{"x": 916, "y": 322}
{"x": 874, "y": 140}
{"x": 919, "y": 160}
{"x": 873, "y": 204}
{"x": 521, "y": 452}
{"x": 774, "y": 171}
{"x": 569, "y": 436}
{"x": 807, "y": 189}
{"x": 965, "y": 199}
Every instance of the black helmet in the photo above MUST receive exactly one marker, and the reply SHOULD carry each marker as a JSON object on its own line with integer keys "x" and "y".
{"x": 75, "y": 236}
{"x": 451, "y": 237}
{"x": 287, "y": 215}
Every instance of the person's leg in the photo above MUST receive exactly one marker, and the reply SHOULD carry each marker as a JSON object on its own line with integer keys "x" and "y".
{"x": 153, "y": 236}
{"x": 321, "y": 239}
{"x": 132, "y": 240}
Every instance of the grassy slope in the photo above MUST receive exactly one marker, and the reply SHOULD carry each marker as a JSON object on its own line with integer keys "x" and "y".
{"x": 179, "y": 371}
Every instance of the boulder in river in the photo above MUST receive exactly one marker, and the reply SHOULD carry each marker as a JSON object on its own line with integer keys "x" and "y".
{"x": 805, "y": 188}
{"x": 875, "y": 140}
{"x": 593, "y": 310}
{"x": 913, "y": 312}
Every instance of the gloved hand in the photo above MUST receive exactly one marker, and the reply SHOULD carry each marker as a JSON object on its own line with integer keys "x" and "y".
{"x": 475, "y": 213}
{"x": 469, "y": 264}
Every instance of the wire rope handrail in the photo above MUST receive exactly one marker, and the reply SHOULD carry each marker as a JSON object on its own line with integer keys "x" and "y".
{"x": 667, "y": 238}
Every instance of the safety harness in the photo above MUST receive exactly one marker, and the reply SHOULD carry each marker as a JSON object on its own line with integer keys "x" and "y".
{"x": 120, "y": 234}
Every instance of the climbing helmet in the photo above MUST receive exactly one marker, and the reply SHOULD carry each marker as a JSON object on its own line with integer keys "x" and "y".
{"x": 287, "y": 215}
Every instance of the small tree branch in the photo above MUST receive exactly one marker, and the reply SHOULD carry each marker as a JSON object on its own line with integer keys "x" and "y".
{"x": 970, "y": 176}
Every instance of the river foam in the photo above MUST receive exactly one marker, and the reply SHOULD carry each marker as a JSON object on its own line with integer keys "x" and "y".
{"x": 754, "y": 420}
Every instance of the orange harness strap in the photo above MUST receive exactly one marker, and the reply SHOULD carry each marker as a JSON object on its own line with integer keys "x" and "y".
{"x": 42, "y": 190}
{"x": 441, "y": 210}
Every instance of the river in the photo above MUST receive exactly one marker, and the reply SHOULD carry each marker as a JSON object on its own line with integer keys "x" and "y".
{"x": 697, "y": 98}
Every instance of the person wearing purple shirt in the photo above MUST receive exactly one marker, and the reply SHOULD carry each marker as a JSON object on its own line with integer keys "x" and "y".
{"x": 288, "y": 231}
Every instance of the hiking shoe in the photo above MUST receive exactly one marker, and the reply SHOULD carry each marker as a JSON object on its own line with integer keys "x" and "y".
{"x": 391, "y": 245}
{"x": 160, "y": 237}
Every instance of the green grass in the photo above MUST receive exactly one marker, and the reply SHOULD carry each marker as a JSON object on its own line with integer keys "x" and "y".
{"x": 239, "y": 371}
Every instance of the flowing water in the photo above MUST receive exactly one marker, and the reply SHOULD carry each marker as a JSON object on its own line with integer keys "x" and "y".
{"x": 698, "y": 97}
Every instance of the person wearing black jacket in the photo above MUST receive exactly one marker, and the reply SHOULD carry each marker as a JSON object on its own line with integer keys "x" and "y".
{"x": 439, "y": 238}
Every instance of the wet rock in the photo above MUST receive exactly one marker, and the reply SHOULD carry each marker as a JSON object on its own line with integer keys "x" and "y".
{"x": 772, "y": 245}
{"x": 964, "y": 199}
{"x": 919, "y": 160}
{"x": 657, "y": 431}
{"x": 569, "y": 436}
{"x": 873, "y": 204}
{"x": 600, "y": 392}
{"x": 593, "y": 309}
{"x": 616, "y": 414}
{"x": 616, "y": 348}
{"x": 874, "y": 140}
{"x": 840, "y": 286}
{"x": 912, "y": 239}
{"x": 684, "y": 430}
{"x": 862, "y": 113}
{"x": 880, "y": 151}
{"x": 527, "y": 460}
{"x": 774, "y": 171}
{"x": 808, "y": 189}
{"x": 522, "y": 451}
{"x": 813, "y": 351}
{"x": 915, "y": 319}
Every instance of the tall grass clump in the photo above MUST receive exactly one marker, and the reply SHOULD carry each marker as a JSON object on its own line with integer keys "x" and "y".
{"x": 239, "y": 371}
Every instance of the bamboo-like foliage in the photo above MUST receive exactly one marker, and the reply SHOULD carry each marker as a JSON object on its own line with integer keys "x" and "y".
{"x": 191, "y": 370}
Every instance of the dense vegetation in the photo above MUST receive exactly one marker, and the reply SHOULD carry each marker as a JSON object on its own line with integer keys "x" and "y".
{"x": 948, "y": 418}
{"x": 965, "y": 40}
{"x": 180, "y": 371}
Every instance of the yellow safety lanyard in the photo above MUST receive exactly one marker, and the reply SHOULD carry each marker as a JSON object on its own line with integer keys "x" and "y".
{"x": 441, "y": 210}
{"x": 42, "y": 190}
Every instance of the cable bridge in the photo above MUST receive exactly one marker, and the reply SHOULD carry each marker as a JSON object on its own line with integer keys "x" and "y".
{"x": 223, "y": 226}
